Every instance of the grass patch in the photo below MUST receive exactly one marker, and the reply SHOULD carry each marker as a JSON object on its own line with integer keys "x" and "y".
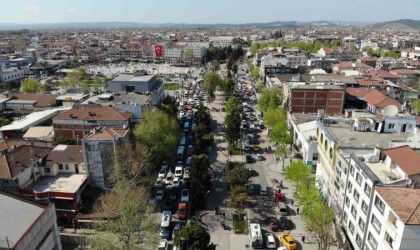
{"x": 234, "y": 150}
{"x": 171, "y": 86}
{"x": 239, "y": 224}
{"x": 234, "y": 164}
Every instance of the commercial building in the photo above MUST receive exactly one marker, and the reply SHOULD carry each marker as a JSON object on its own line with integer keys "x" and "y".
{"x": 221, "y": 41}
{"x": 26, "y": 225}
{"x": 81, "y": 119}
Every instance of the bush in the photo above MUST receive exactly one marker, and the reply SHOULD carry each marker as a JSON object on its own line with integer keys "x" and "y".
{"x": 234, "y": 150}
{"x": 239, "y": 224}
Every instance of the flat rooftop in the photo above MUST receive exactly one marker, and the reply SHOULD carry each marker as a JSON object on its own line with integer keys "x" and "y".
{"x": 346, "y": 137}
{"x": 132, "y": 78}
{"x": 383, "y": 172}
{"x": 300, "y": 118}
{"x": 16, "y": 217}
{"x": 63, "y": 183}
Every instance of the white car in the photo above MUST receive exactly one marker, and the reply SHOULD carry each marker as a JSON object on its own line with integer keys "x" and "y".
{"x": 175, "y": 182}
{"x": 163, "y": 244}
{"x": 178, "y": 171}
{"x": 259, "y": 157}
{"x": 162, "y": 173}
{"x": 185, "y": 197}
{"x": 270, "y": 241}
{"x": 169, "y": 178}
{"x": 158, "y": 182}
{"x": 186, "y": 173}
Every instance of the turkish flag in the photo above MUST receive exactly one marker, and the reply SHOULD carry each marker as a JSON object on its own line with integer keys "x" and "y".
{"x": 158, "y": 50}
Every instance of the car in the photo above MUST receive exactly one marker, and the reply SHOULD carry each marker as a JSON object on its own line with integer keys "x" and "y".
{"x": 160, "y": 193}
{"x": 178, "y": 171}
{"x": 162, "y": 173}
{"x": 175, "y": 182}
{"x": 163, "y": 244}
{"x": 185, "y": 197}
{"x": 269, "y": 240}
{"x": 177, "y": 229}
{"x": 249, "y": 159}
{"x": 279, "y": 197}
{"x": 288, "y": 241}
{"x": 182, "y": 210}
{"x": 285, "y": 223}
{"x": 174, "y": 193}
{"x": 158, "y": 182}
{"x": 168, "y": 205}
{"x": 188, "y": 162}
{"x": 272, "y": 223}
{"x": 250, "y": 188}
{"x": 164, "y": 165}
{"x": 186, "y": 173}
{"x": 259, "y": 157}
{"x": 169, "y": 178}
{"x": 190, "y": 150}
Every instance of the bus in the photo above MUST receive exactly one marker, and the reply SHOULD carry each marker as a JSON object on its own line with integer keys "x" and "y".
{"x": 180, "y": 153}
{"x": 256, "y": 236}
{"x": 187, "y": 126}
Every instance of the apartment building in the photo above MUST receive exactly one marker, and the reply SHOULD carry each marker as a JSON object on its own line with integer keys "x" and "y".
{"x": 221, "y": 41}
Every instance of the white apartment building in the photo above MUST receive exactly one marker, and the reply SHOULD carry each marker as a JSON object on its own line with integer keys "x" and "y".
{"x": 295, "y": 61}
{"x": 8, "y": 75}
{"x": 173, "y": 55}
{"x": 304, "y": 139}
{"x": 369, "y": 43}
{"x": 221, "y": 41}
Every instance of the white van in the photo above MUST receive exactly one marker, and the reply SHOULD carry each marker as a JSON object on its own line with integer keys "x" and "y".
{"x": 263, "y": 190}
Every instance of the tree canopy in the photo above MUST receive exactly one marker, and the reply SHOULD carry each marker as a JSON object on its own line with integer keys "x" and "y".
{"x": 233, "y": 120}
{"x": 270, "y": 99}
{"x": 238, "y": 196}
{"x": 200, "y": 179}
{"x": 31, "y": 85}
{"x": 211, "y": 81}
{"x": 239, "y": 175}
{"x": 194, "y": 236}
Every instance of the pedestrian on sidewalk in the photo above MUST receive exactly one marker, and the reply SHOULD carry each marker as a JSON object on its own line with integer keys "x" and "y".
{"x": 303, "y": 238}
{"x": 297, "y": 210}
{"x": 292, "y": 201}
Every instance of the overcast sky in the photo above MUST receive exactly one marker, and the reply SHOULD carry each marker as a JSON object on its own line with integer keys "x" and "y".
{"x": 205, "y": 11}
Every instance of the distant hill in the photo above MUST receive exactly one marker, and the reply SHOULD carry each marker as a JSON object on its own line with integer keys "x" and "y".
{"x": 402, "y": 24}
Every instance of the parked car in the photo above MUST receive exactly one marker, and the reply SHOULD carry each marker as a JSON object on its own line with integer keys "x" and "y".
{"x": 178, "y": 171}
{"x": 163, "y": 244}
{"x": 175, "y": 182}
{"x": 169, "y": 178}
{"x": 162, "y": 173}
{"x": 160, "y": 194}
{"x": 269, "y": 240}
{"x": 188, "y": 162}
{"x": 158, "y": 182}
{"x": 272, "y": 223}
{"x": 279, "y": 197}
{"x": 288, "y": 241}
{"x": 249, "y": 159}
{"x": 182, "y": 210}
{"x": 190, "y": 150}
{"x": 285, "y": 223}
{"x": 177, "y": 229}
{"x": 164, "y": 165}
{"x": 186, "y": 173}
{"x": 174, "y": 193}
{"x": 259, "y": 157}
{"x": 185, "y": 197}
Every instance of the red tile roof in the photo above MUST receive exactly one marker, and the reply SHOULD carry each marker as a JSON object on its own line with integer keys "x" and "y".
{"x": 42, "y": 100}
{"x": 405, "y": 71}
{"x": 358, "y": 92}
{"x": 105, "y": 134}
{"x": 406, "y": 158}
{"x": 99, "y": 113}
{"x": 379, "y": 100}
{"x": 404, "y": 202}
{"x": 65, "y": 153}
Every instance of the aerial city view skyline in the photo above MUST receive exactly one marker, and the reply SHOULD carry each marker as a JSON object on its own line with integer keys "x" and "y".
{"x": 210, "y": 125}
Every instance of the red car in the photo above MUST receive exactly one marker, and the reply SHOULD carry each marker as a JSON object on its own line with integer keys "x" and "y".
{"x": 182, "y": 210}
{"x": 272, "y": 224}
{"x": 279, "y": 197}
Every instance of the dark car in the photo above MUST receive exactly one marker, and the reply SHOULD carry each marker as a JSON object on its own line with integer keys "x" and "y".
{"x": 272, "y": 224}
{"x": 249, "y": 159}
{"x": 285, "y": 223}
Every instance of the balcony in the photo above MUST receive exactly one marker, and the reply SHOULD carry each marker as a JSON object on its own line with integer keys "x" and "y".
{"x": 391, "y": 227}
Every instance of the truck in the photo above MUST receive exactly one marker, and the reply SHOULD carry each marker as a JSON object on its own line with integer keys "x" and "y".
{"x": 256, "y": 240}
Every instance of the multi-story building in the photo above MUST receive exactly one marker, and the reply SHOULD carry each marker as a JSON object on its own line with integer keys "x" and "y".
{"x": 99, "y": 150}
{"x": 340, "y": 54}
{"x": 311, "y": 98}
{"x": 77, "y": 122}
{"x": 173, "y": 55}
{"x": 10, "y": 75}
{"x": 221, "y": 41}
{"x": 27, "y": 225}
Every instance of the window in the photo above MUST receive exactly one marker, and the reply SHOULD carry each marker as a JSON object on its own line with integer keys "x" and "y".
{"x": 325, "y": 145}
{"x": 389, "y": 239}
{"x": 359, "y": 179}
{"x": 359, "y": 241}
{"x": 367, "y": 189}
{"x": 361, "y": 224}
{"x": 351, "y": 170}
{"x": 347, "y": 201}
{"x": 66, "y": 166}
{"x": 376, "y": 224}
{"x": 379, "y": 204}
{"x": 356, "y": 195}
{"x": 349, "y": 187}
{"x": 372, "y": 241}
{"x": 60, "y": 166}
{"x": 364, "y": 207}
{"x": 331, "y": 152}
{"x": 351, "y": 227}
{"x": 353, "y": 211}
{"x": 391, "y": 126}
{"x": 47, "y": 170}
{"x": 315, "y": 156}
{"x": 345, "y": 218}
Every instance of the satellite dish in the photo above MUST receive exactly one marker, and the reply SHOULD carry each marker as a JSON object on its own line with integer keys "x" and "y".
{"x": 390, "y": 110}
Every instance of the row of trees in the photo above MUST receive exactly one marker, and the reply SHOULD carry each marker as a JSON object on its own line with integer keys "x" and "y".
{"x": 310, "y": 47}
{"x": 254, "y": 70}
{"x": 233, "y": 121}
{"x": 224, "y": 53}
{"x": 317, "y": 215}
{"x": 275, "y": 118}
{"x": 382, "y": 53}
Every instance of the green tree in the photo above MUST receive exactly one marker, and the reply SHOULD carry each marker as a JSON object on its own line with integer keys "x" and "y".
{"x": 125, "y": 214}
{"x": 234, "y": 68}
{"x": 270, "y": 99}
{"x": 282, "y": 151}
{"x": 74, "y": 79}
{"x": 133, "y": 162}
{"x": 228, "y": 86}
{"x": 416, "y": 105}
{"x": 256, "y": 73}
{"x": 211, "y": 81}
{"x": 30, "y": 85}
{"x": 238, "y": 196}
{"x": 261, "y": 86}
{"x": 239, "y": 175}
{"x": 159, "y": 132}
{"x": 254, "y": 47}
{"x": 297, "y": 173}
{"x": 4, "y": 122}
{"x": 86, "y": 84}
{"x": 63, "y": 140}
{"x": 194, "y": 236}
{"x": 233, "y": 120}
{"x": 229, "y": 65}
{"x": 188, "y": 55}
{"x": 169, "y": 106}
{"x": 272, "y": 116}
{"x": 200, "y": 179}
